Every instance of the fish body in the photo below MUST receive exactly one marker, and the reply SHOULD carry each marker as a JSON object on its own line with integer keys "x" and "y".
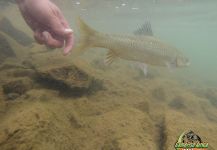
{"x": 141, "y": 48}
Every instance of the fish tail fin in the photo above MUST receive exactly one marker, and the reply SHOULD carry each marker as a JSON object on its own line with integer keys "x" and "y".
{"x": 86, "y": 39}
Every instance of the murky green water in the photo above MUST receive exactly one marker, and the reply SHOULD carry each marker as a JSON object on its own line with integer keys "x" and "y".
{"x": 53, "y": 102}
{"x": 188, "y": 25}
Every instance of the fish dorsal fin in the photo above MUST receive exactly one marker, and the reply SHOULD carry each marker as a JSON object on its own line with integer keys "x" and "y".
{"x": 145, "y": 29}
{"x": 110, "y": 57}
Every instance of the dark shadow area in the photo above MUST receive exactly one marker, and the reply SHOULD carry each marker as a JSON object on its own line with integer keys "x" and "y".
{"x": 70, "y": 81}
{"x": 5, "y": 49}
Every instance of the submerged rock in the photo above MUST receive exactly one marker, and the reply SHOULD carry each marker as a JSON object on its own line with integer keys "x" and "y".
{"x": 209, "y": 93}
{"x": 144, "y": 107}
{"x": 159, "y": 94}
{"x": 209, "y": 112}
{"x": 111, "y": 145}
{"x": 22, "y": 73}
{"x": 7, "y": 27}
{"x": 70, "y": 80}
{"x": 12, "y": 96}
{"x": 177, "y": 103}
{"x": 17, "y": 87}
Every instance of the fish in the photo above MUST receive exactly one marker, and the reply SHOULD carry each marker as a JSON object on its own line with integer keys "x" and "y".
{"x": 142, "y": 48}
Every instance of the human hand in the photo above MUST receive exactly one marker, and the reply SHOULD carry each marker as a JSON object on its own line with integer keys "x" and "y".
{"x": 48, "y": 23}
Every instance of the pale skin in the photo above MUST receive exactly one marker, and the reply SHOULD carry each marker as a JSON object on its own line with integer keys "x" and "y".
{"x": 48, "y": 23}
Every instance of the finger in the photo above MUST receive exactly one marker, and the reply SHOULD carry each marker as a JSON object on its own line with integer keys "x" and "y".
{"x": 69, "y": 40}
{"x": 60, "y": 16}
{"x": 39, "y": 37}
{"x": 57, "y": 22}
{"x": 69, "y": 43}
{"x": 50, "y": 41}
{"x": 58, "y": 29}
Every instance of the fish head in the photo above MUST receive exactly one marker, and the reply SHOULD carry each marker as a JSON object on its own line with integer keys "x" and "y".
{"x": 182, "y": 61}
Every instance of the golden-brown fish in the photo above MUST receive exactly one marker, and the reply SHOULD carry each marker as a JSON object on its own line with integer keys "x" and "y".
{"x": 141, "y": 48}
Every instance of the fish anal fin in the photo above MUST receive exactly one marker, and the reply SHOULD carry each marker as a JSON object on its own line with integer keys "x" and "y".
{"x": 110, "y": 57}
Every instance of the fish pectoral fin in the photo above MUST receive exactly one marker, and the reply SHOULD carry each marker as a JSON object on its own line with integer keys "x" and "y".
{"x": 144, "y": 68}
{"x": 110, "y": 57}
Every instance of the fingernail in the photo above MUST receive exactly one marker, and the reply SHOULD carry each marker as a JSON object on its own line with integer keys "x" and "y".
{"x": 68, "y": 30}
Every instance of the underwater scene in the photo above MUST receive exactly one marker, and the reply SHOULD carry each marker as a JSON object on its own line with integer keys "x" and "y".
{"x": 141, "y": 75}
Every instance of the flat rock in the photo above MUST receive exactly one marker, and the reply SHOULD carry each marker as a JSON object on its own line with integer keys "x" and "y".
{"x": 17, "y": 87}
{"x": 70, "y": 80}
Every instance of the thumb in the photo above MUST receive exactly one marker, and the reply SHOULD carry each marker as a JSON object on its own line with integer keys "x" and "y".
{"x": 69, "y": 44}
{"x": 59, "y": 29}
